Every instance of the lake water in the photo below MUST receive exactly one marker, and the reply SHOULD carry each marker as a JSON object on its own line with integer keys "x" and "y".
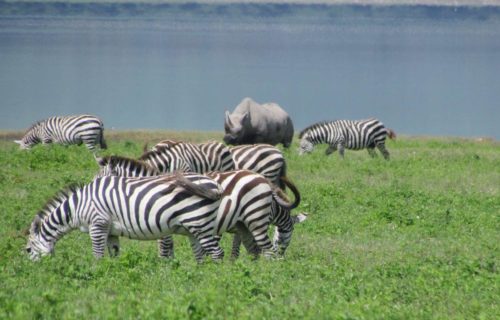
{"x": 420, "y": 70}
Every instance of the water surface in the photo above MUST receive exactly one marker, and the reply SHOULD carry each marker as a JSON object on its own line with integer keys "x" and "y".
{"x": 421, "y": 70}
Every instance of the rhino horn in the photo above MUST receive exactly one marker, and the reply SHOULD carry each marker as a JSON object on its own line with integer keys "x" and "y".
{"x": 246, "y": 118}
{"x": 228, "y": 122}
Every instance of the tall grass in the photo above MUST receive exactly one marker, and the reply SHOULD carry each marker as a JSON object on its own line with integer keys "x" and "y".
{"x": 414, "y": 237}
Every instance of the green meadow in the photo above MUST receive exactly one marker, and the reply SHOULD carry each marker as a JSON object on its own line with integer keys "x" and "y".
{"x": 416, "y": 237}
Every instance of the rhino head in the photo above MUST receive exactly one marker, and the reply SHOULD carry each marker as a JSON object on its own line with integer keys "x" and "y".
{"x": 237, "y": 126}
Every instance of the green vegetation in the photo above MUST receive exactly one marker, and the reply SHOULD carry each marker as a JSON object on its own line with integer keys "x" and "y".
{"x": 415, "y": 237}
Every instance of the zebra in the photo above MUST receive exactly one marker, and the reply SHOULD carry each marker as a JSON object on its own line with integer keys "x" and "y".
{"x": 138, "y": 208}
{"x": 341, "y": 134}
{"x": 170, "y": 155}
{"x": 249, "y": 204}
{"x": 76, "y": 129}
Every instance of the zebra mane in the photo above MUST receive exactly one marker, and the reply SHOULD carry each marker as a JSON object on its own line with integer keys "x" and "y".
{"x": 115, "y": 159}
{"x": 34, "y": 125}
{"x": 59, "y": 198}
{"x": 313, "y": 126}
{"x": 167, "y": 144}
{"x": 157, "y": 150}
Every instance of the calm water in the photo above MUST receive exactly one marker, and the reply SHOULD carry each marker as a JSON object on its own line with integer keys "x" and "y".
{"x": 421, "y": 73}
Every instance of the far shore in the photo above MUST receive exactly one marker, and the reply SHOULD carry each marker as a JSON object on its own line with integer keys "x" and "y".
{"x": 325, "y": 2}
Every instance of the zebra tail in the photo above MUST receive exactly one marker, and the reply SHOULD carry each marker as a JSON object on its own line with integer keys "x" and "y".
{"x": 281, "y": 198}
{"x": 196, "y": 189}
{"x": 282, "y": 175}
{"x": 391, "y": 133}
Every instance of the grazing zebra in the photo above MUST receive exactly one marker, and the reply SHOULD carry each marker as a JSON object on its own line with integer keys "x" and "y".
{"x": 265, "y": 159}
{"x": 138, "y": 208}
{"x": 348, "y": 134}
{"x": 248, "y": 205}
{"x": 78, "y": 129}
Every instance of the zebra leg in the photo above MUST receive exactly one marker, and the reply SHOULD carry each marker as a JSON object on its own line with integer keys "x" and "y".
{"x": 113, "y": 244}
{"x": 166, "y": 247}
{"x": 262, "y": 239}
{"x": 198, "y": 251}
{"x": 383, "y": 150}
{"x": 98, "y": 232}
{"x": 281, "y": 240}
{"x": 331, "y": 148}
{"x": 371, "y": 152}
{"x": 341, "y": 150}
{"x": 243, "y": 235}
{"x": 235, "y": 250}
{"x": 209, "y": 243}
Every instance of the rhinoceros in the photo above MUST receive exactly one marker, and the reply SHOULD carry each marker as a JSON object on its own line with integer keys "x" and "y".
{"x": 251, "y": 123}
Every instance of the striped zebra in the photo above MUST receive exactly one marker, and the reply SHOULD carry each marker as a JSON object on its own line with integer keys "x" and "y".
{"x": 347, "y": 134}
{"x": 138, "y": 208}
{"x": 248, "y": 205}
{"x": 170, "y": 155}
{"x": 78, "y": 129}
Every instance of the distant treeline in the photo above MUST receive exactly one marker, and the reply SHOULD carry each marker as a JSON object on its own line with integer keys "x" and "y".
{"x": 251, "y": 10}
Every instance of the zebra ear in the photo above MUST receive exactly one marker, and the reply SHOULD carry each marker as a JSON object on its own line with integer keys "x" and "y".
{"x": 301, "y": 217}
{"x": 20, "y": 143}
{"x": 36, "y": 225}
{"x": 100, "y": 161}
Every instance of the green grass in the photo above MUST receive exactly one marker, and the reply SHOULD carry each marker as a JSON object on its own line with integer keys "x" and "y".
{"x": 415, "y": 237}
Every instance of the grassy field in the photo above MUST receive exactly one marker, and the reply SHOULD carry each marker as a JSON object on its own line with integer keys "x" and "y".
{"x": 415, "y": 237}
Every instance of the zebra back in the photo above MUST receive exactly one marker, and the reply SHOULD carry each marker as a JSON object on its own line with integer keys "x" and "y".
{"x": 264, "y": 159}
{"x": 171, "y": 155}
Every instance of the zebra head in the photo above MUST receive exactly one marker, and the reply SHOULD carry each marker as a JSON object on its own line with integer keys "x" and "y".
{"x": 22, "y": 145}
{"x": 283, "y": 233}
{"x": 106, "y": 167}
{"x": 37, "y": 245}
{"x": 306, "y": 146}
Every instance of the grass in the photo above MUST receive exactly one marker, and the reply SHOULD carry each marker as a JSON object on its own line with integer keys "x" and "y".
{"x": 415, "y": 237}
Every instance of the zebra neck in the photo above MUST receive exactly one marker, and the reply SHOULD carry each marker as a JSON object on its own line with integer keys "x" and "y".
{"x": 32, "y": 136}
{"x": 281, "y": 217}
{"x": 59, "y": 221}
{"x": 140, "y": 170}
{"x": 317, "y": 137}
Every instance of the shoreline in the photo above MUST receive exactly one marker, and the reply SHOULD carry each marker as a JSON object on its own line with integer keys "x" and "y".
{"x": 204, "y": 135}
{"x": 438, "y": 3}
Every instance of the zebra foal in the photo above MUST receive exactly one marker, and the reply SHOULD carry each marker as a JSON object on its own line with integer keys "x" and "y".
{"x": 77, "y": 129}
{"x": 137, "y": 208}
{"x": 347, "y": 134}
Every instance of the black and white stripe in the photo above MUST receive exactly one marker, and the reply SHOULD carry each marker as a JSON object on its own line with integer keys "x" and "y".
{"x": 78, "y": 129}
{"x": 347, "y": 134}
{"x": 171, "y": 156}
{"x": 137, "y": 208}
{"x": 264, "y": 159}
{"x": 249, "y": 205}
